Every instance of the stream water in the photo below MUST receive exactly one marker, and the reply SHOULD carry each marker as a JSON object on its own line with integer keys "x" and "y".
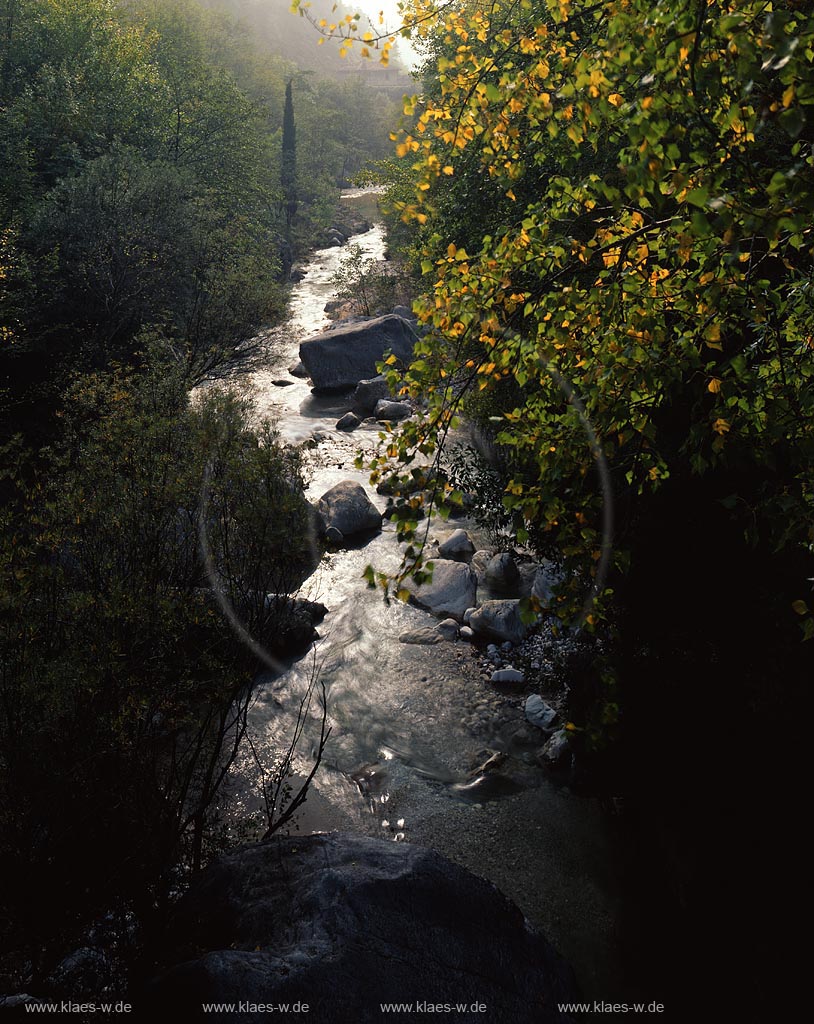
{"x": 409, "y": 722}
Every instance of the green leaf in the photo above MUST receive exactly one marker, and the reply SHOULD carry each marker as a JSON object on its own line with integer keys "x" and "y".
{"x": 697, "y": 197}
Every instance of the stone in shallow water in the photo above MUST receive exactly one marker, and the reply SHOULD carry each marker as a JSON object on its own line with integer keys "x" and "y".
{"x": 448, "y": 629}
{"x": 426, "y": 636}
{"x": 340, "y": 358}
{"x": 501, "y": 572}
{"x": 368, "y": 393}
{"x": 347, "y": 507}
{"x": 557, "y": 750}
{"x": 350, "y": 421}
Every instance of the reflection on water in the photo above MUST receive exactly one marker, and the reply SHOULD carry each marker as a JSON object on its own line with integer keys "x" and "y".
{"x": 398, "y": 745}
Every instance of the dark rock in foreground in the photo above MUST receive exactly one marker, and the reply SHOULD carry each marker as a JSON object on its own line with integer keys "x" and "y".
{"x": 338, "y": 359}
{"x": 346, "y": 923}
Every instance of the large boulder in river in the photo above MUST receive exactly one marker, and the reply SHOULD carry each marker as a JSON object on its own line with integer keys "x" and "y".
{"x": 347, "y": 923}
{"x": 499, "y": 620}
{"x": 451, "y": 591}
{"x": 347, "y": 508}
{"x": 338, "y": 359}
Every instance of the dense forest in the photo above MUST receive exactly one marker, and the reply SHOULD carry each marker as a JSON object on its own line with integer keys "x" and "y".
{"x": 162, "y": 166}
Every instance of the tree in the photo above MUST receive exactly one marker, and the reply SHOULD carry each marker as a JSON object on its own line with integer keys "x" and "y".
{"x": 138, "y": 190}
{"x": 288, "y": 167}
{"x": 646, "y": 246}
{"x": 124, "y": 687}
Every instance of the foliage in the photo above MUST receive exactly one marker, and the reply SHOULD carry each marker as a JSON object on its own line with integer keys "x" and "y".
{"x": 371, "y": 287}
{"x": 124, "y": 688}
{"x": 644, "y": 262}
{"x": 142, "y": 186}
{"x": 470, "y": 472}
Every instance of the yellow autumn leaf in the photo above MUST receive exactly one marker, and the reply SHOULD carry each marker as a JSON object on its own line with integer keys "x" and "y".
{"x": 714, "y": 385}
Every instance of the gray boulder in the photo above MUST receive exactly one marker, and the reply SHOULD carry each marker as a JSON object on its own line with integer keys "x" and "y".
{"x": 404, "y": 311}
{"x": 350, "y": 421}
{"x": 392, "y": 411}
{"x": 457, "y": 546}
{"x": 347, "y": 508}
{"x": 346, "y": 923}
{"x": 539, "y": 712}
{"x": 499, "y": 620}
{"x": 451, "y": 592}
{"x": 501, "y": 572}
{"x": 426, "y": 636}
{"x": 547, "y": 577}
{"x": 557, "y": 750}
{"x": 368, "y": 393}
{"x": 480, "y": 560}
{"x": 448, "y": 629}
{"x": 338, "y": 359}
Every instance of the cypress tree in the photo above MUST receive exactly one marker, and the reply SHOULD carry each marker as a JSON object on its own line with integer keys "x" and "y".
{"x": 288, "y": 169}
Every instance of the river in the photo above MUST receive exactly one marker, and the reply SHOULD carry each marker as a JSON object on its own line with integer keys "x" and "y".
{"x": 409, "y": 722}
